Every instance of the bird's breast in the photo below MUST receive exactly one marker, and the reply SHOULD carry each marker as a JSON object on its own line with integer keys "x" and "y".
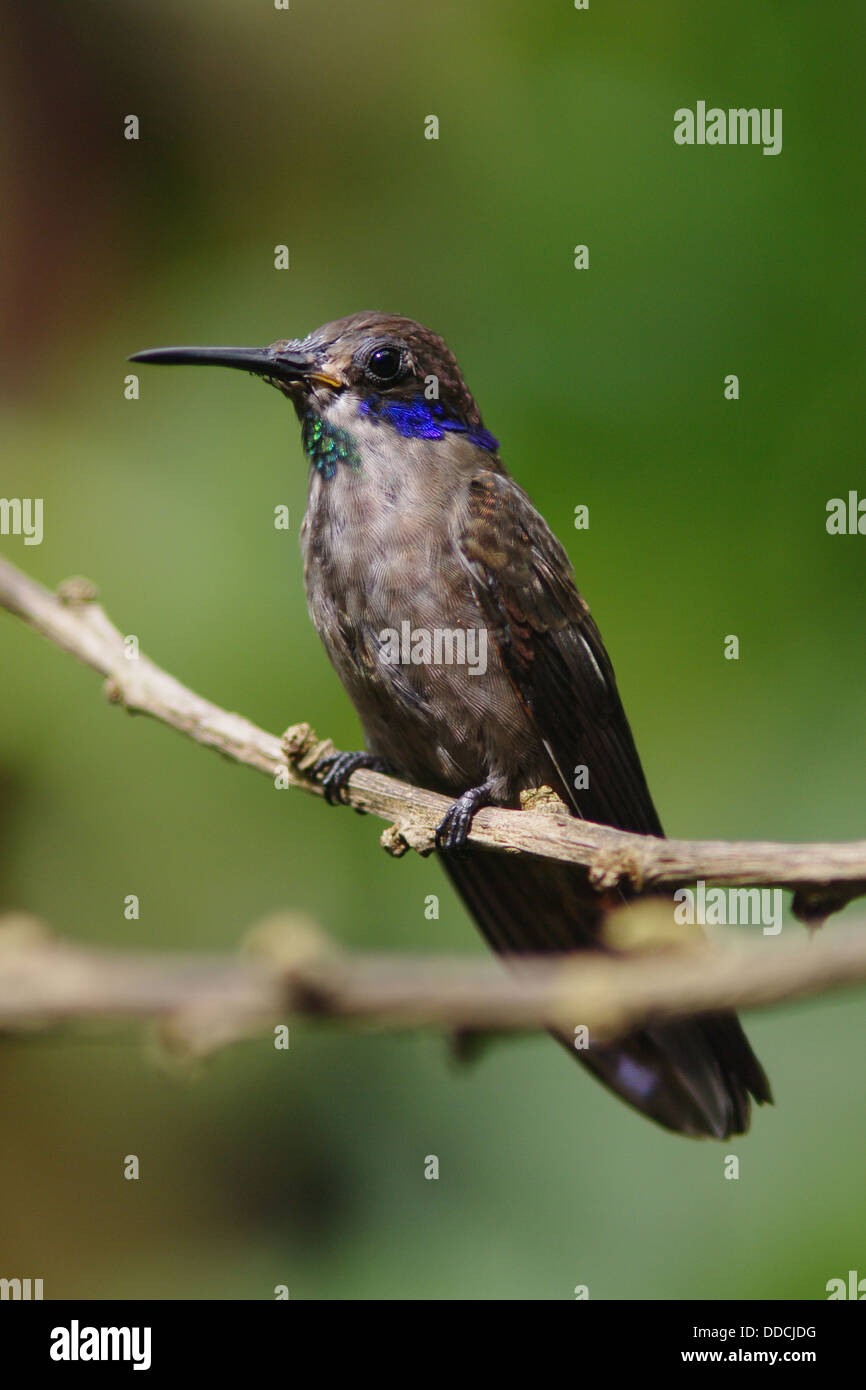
{"x": 392, "y": 602}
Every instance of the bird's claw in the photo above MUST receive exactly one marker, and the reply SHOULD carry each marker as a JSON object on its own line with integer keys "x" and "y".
{"x": 334, "y": 770}
{"x": 452, "y": 832}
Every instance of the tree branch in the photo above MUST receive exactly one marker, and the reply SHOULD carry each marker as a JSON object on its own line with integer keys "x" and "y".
{"x": 207, "y": 1002}
{"x": 823, "y": 876}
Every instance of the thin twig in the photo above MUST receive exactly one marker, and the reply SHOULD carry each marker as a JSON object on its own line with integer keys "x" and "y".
{"x": 204, "y": 1002}
{"x": 823, "y": 876}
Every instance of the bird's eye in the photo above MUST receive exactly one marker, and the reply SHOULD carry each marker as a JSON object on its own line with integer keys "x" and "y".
{"x": 385, "y": 365}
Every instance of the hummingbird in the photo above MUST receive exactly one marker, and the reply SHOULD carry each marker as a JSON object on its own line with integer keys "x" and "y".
{"x": 413, "y": 528}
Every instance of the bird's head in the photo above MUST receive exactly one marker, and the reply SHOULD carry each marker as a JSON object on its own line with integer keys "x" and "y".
{"x": 369, "y": 371}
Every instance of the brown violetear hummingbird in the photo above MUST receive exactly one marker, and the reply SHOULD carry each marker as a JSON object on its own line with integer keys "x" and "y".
{"x": 450, "y": 613}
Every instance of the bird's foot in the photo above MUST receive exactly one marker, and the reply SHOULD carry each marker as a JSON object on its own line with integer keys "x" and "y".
{"x": 453, "y": 830}
{"x": 334, "y": 770}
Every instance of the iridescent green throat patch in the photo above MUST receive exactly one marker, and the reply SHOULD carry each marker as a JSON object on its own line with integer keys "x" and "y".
{"x": 327, "y": 445}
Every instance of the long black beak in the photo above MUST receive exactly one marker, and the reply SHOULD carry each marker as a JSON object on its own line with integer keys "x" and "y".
{"x": 280, "y": 363}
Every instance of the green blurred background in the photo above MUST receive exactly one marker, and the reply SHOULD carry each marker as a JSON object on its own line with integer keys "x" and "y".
{"x": 305, "y": 127}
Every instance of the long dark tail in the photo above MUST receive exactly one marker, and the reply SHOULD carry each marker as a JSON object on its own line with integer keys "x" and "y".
{"x": 694, "y": 1077}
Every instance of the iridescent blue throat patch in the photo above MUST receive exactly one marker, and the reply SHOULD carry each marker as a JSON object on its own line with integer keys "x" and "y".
{"x": 327, "y": 445}
{"x": 423, "y": 419}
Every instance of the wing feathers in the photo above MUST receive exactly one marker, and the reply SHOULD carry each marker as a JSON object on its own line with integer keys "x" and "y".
{"x": 553, "y": 652}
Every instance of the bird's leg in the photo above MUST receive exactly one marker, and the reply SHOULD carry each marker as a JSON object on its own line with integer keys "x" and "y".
{"x": 334, "y": 771}
{"x": 453, "y": 829}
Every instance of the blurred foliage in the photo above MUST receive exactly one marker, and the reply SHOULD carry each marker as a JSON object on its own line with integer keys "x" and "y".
{"x": 605, "y": 386}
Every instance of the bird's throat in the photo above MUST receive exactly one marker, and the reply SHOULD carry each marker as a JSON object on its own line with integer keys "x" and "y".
{"x": 327, "y": 445}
